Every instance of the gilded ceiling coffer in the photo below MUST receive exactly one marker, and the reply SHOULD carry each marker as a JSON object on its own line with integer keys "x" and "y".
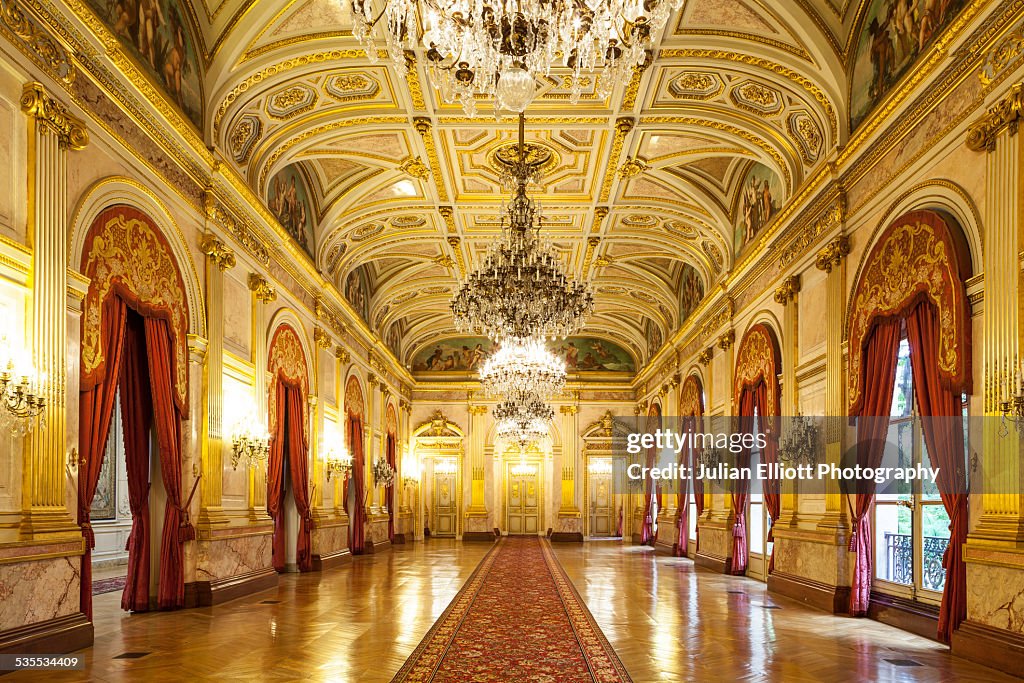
{"x": 832, "y": 254}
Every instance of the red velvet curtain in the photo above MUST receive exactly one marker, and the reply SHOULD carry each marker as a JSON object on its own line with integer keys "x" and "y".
{"x": 298, "y": 462}
{"x": 167, "y": 420}
{"x": 647, "y": 528}
{"x": 944, "y": 439}
{"x": 275, "y": 473}
{"x": 136, "y": 422}
{"x": 95, "y": 410}
{"x": 741, "y": 489}
{"x": 683, "y": 500}
{"x": 358, "y": 518}
{"x": 389, "y": 491}
{"x": 879, "y": 364}
{"x": 769, "y": 425}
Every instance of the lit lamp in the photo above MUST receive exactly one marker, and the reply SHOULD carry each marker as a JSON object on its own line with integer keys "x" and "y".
{"x": 383, "y": 473}
{"x": 600, "y": 467}
{"x": 446, "y": 466}
{"x": 20, "y": 392}
{"x": 800, "y": 446}
{"x": 250, "y": 442}
{"x": 337, "y": 462}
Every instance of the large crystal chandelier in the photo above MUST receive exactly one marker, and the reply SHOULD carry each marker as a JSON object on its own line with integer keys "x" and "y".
{"x": 523, "y": 419}
{"x": 500, "y": 49}
{"x": 523, "y": 364}
{"x": 520, "y": 292}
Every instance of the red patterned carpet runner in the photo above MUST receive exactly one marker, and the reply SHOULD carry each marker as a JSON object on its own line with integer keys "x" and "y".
{"x": 101, "y": 586}
{"x": 518, "y": 618}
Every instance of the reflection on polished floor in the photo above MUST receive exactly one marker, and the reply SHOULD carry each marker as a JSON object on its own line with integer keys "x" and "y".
{"x": 667, "y": 620}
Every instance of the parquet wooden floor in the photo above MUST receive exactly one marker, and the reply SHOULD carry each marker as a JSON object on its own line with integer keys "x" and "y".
{"x": 667, "y": 620}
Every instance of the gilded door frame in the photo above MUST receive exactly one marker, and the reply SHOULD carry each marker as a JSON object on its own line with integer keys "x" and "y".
{"x": 507, "y": 464}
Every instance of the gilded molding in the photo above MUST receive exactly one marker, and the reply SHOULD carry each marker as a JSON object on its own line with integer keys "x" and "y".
{"x": 263, "y": 290}
{"x": 1006, "y": 113}
{"x": 832, "y": 254}
{"x": 623, "y": 125}
{"x": 569, "y": 410}
{"x": 1002, "y": 55}
{"x": 412, "y": 80}
{"x": 220, "y": 216}
{"x": 415, "y": 167}
{"x": 448, "y": 214}
{"x": 217, "y": 251}
{"x": 787, "y": 291}
{"x": 633, "y": 87}
{"x": 423, "y": 127}
{"x": 54, "y": 116}
{"x": 833, "y": 217}
{"x": 632, "y": 167}
{"x": 36, "y": 41}
{"x": 478, "y": 410}
{"x": 328, "y": 317}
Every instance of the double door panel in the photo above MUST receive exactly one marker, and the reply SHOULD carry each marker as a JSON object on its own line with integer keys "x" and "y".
{"x": 523, "y": 505}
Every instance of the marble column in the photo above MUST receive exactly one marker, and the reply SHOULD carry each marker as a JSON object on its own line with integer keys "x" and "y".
{"x": 263, "y": 293}
{"x": 832, "y": 260}
{"x": 52, "y": 133}
{"x": 322, "y": 342}
{"x": 219, "y": 258}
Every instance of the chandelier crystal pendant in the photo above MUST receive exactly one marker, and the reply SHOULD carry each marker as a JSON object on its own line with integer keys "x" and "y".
{"x": 523, "y": 365}
{"x": 475, "y": 48}
{"x": 520, "y": 292}
{"x": 523, "y": 419}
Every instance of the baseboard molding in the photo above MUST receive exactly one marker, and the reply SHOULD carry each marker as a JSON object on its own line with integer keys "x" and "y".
{"x": 55, "y": 636}
{"x": 994, "y": 647}
{"x": 715, "y": 564}
{"x": 566, "y": 537}
{"x": 915, "y": 617}
{"x": 478, "y": 537}
{"x": 834, "y": 599}
{"x": 322, "y": 563}
{"x": 207, "y": 593}
{"x": 372, "y": 548}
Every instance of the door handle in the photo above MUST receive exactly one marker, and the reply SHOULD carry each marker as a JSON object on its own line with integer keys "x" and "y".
{"x": 909, "y": 504}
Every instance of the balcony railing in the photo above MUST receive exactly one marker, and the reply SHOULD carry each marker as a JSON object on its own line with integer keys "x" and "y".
{"x": 899, "y": 560}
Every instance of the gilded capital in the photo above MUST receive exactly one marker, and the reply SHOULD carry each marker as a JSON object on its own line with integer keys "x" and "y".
{"x": 832, "y": 254}
{"x": 218, "y": 252}
{"x": 1006, "y": 113}
{"x": 478, "y": 410}
{"x": 44, "y": 109}
{"x": 787, "y": 291}
{"x": 623, "y": 125}
{"x": 704, "y": 357}
{"x": 342, "y": 354}
{"x": 569, "y": 410}
{"x": 263, "y": 290}
{"x": 322, "y": 339}
{"x": 727, "y": 340}
{"x": 422, "y": 124}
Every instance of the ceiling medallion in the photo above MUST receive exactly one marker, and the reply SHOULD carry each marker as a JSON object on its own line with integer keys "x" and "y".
{"x": 499, "y": 50}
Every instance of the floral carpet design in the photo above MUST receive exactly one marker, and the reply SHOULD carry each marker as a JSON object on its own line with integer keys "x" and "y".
{"x": 517, "y": 618}
{"x": 101, "y": 586}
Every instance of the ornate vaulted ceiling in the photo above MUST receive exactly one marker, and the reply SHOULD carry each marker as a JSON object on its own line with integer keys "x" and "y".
{"x": 657, "y": 176}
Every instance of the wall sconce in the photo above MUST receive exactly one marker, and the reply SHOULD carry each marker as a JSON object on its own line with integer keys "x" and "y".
{"x": 337, "y": 462}
{"x": 20, "y": 391}
{"x": 446, "y": 466}
{"x": 800, "y": 446}
{"x": 409, "y": 482}
{"x": 250, "y": 442}
{"x": 383, "y": 472}
{"x": 600, "y": 467}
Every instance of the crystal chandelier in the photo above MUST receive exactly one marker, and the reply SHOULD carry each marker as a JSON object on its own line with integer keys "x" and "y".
{"x": 520, "y": 291}
{"x": 337, "y": 462}
{"x": 523, "y": 419}
{"x": 475, "y": 48}
{"x": 523, "y": 365}
{"x": 20, "y": 392}
{"x": 800, "y": 445}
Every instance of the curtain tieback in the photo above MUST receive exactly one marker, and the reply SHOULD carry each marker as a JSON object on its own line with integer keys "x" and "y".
{"x": 308, "y": 522}
{"x": 88, "y": 535}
